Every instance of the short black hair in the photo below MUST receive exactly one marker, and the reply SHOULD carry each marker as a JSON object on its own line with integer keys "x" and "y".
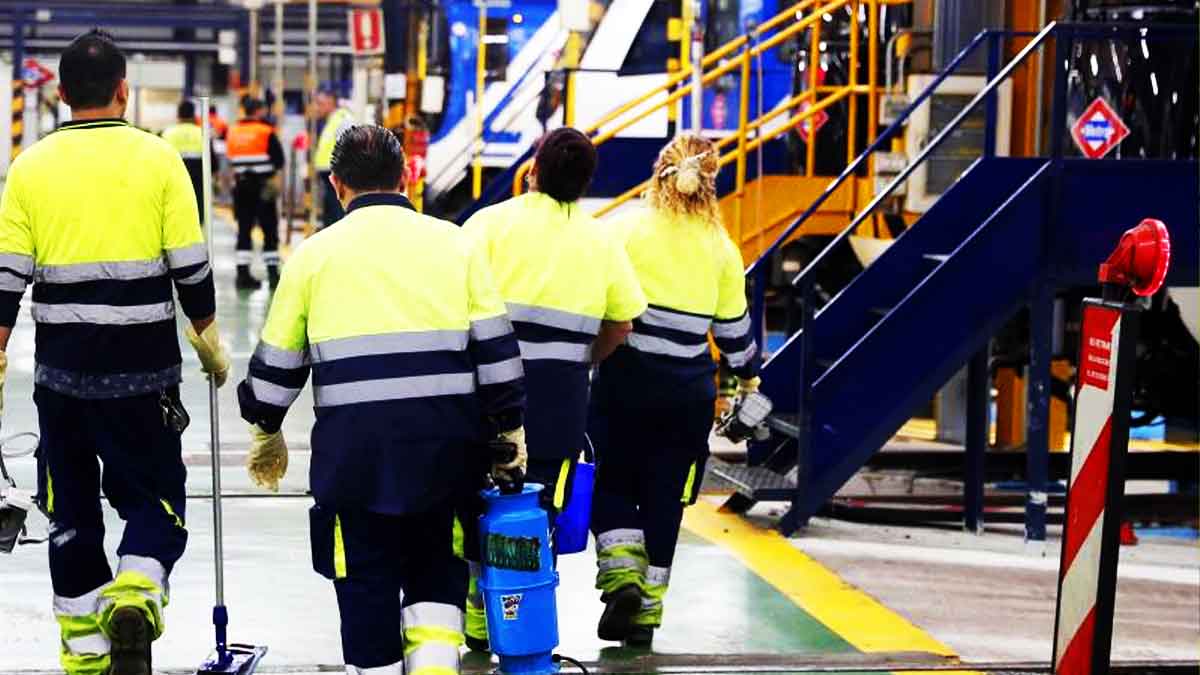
{"x": 566, "y": 162}
{"x": 252, "y": 105}
{"x": 368, "y": 158}
{"x": 187, "y": 110}
{"x": 91, "y": 69}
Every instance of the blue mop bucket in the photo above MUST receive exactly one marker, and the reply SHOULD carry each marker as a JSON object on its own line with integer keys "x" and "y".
{"x": 571, "y": 526}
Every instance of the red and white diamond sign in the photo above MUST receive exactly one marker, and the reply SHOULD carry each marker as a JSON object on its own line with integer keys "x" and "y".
{"x": 1098, "y": 130}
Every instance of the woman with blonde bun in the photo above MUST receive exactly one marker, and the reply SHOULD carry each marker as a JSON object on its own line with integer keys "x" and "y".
{"x": 652, "y": 400}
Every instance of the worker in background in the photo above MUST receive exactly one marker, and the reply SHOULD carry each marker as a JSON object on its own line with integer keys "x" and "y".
{"x": 653, "y": 398}
{"x": 257, "y": 157}
{"x": 571, "y": 295}
{"x": 217, "y": 123}
{"x": 332, "y": 121}
{"x": 101, "y": 218}
{"x": 188, "y": 139}
{"x": 414, "y": 366}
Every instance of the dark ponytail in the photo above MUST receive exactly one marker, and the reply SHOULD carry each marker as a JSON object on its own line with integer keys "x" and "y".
{"x": 566, "y": 162}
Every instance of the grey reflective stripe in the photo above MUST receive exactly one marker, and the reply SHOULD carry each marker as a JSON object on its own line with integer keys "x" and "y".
{"x": 665, "y": 318}
{"x": 268, "y": 392}
{"x": 419, "y": 386}
{"x": 739, "y": 359}
{"x": 94, "y": 271}
{"x": 389, "y": 343}
{"x": 9, "y": 282}
{"x": 440, "y": 656}
{"x": 555, "y": 318}
{"x": 254, "y": 168}
{"x": 22, "y": 264}
{"x": 106, "y": 315}
{"x": 249, "y": 159}
{"x": 502, "y": 371}
{"x": 82, "y": 605}
{"x": 95, "y": 643}
{"x": 560, "y": 351}
{"x": 145, "y": 566}
{"x": 278, "y": 357}
{"x": 394, "y": 669}
{"x": 621, "y": 563}
{"x": 658, "y": 576}
{"x": 486, "y": 329}
{"x": 187, "y": 255}
{"x": 432, "y": 614}
{"x": 196, "y": 277}
{"x": 651, "y": 344}
{"x": 731, "y": 329}
{"x": 188, "y": 154}
{"x": 611, "y": 538}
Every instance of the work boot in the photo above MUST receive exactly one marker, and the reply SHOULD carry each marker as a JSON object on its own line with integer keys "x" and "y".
{"x": 476, "y": 644}
{"x": 640, "y": 636}
{"x": 129, "y": 633}
{"x": 273, "y": 276}
{"x": 246, "y": 281}
{"x": 620, "y": 607}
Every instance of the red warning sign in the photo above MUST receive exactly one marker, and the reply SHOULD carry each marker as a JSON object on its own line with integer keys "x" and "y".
{"x": 366, "y": 31}
{"x": 1098, "y": 130}
{"x": 809, "y": 127}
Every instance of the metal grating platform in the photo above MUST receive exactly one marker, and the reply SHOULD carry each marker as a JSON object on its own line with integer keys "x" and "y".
{"x": 756, "y": 482}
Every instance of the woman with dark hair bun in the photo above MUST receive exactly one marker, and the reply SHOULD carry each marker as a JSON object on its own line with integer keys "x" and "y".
{"x": 571, "y": 296}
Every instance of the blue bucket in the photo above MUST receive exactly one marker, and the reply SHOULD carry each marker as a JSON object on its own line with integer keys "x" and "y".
{"x": 571, "y": 526}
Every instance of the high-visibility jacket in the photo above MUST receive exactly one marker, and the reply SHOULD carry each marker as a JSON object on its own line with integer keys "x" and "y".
{"x": 560, "y": 275}
{"x": 102, "y": 218}
{"x": 692, "y": 274}
{"x": 338, "y": 121}
{"x": 186, "y": 138}
{"x": 413, "y": 360}
{"x": 253, "y": 147}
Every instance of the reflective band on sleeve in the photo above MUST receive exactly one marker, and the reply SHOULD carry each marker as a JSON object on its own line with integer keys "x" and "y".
{"x": 689, "y": 485}
{"x": 21, "y": 264}
{"x": 739, "y": 359}
{"x": 425, "y": 614}
{"x": 395, "y": 388}
{"x": 651, "y": 344}
{"x": 184, "y": 256}
{"x": 273, "y": 394}
{"x": 196, "y": 277}
{"x": 100, "y": 271}
{"x": 105, "y": 315}
{"x": 394, "y": 669}
{"x": 82, "y": 605}
{"x": 277, "y": 357}
{"x": 613, "y": 538}
{"x": 731, "y": 329}
{"x": 11, "y": 283}
{"x": 560, "y": 486}
{"x": 389, "y": 343}
{"x": 432, "y": 658}
{"x": 555, "y": 318}
{"x": 95, "y": 643}
{"x": 486, "y": 329}
{"x": 561, "y": 351}
{"x": 339, "y": 549}
{"x": 688, "y": 323}
{"x": 503, "y": 371}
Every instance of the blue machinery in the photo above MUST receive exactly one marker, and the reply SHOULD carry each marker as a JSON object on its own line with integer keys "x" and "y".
{"x": 1009, "y": 233}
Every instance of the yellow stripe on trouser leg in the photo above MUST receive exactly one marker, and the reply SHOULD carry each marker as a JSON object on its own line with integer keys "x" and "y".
{"x": 171, "y": 512}
{"x": 339, "y": 550}
{"x": 141, "y": 583}
{"x": 476, "y": 616}
{"x": 85, "y": 648}
{"x": 689, "y": 485}
{"x": 620, "y": 559}
{"x": 560, "y": 487}
{"x": 654, "y": 589}
{"x": 432, "y": 637}
{"x": 457, "y": 545}
{"x": 49, "y": 492}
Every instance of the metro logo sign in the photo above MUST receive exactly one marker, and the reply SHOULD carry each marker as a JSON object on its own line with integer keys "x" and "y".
{"x": 1098, "y": 130}
{"x": 366, "y": 31}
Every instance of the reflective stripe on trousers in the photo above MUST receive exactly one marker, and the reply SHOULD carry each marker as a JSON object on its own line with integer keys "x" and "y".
{"x": 476, "y": 616}
{"x": 141, "y": 582}
{"x": 432, "y": 637}
{"x": 654, "y": 589}
{"x": 85, "y": 648}
{"x": 620, "y": 559}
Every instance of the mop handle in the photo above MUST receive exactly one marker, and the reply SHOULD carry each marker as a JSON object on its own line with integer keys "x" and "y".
{"x": 214, "y": 426}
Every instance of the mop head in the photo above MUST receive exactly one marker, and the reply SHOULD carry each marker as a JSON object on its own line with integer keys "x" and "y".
{"x": 240, "y": 660}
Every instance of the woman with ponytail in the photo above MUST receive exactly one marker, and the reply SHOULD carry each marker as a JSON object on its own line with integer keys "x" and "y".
{"x": 652, "y": 400}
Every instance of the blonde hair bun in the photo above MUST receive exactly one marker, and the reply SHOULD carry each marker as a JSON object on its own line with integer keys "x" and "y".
{"x": 687, "y": 180}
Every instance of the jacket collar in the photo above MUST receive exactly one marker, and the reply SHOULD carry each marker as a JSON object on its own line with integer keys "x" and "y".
{"x": 380, "y": 199}
{"x": 94, "y": 124}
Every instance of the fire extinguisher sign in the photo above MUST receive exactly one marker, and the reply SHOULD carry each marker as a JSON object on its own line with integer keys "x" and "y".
{"x": 366, "y": 31}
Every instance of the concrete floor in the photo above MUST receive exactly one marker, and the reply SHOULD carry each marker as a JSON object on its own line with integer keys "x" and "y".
{"x": 841, "y": 594}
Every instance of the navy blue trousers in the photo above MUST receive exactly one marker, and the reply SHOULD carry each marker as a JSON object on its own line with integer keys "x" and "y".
{"x": 143, "y": 477}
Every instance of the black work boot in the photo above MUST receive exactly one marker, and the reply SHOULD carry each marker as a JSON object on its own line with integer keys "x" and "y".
{"x": 273, "y": 276}
{"x": 640, "y": 636}
{"x": 476, "y": 644}
{"x": 620, "y": 607}
{"x": 246, "y": 281}
{"x": 130, "y": 634}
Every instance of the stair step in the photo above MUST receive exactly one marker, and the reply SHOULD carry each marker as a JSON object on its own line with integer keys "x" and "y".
{"x": 758, "y": 483}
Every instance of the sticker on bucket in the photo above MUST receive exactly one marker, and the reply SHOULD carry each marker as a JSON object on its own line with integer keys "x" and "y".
{"x": 511, "y": 604}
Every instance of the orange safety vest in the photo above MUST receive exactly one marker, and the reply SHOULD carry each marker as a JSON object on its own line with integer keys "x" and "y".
{"x": 247, "y": 146}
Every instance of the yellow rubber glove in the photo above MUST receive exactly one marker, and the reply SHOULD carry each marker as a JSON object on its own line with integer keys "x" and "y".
{"x": 747, "y": 385}
{"x": 268, "y": 459}
{"x": 3, "y": 375}
{"x": 213, "y": 359}
{"x": 521, "y": 461}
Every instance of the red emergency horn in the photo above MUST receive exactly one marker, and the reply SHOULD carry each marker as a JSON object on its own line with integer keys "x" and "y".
{"x": 1141, "y": 259}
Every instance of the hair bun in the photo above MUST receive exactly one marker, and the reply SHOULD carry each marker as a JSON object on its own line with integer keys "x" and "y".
{"x": 687, "y": 179}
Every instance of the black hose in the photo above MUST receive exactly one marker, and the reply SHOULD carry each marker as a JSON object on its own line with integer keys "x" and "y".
{"x": 559, "y": 659}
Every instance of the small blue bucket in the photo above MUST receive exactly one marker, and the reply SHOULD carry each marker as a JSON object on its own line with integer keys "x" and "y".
{"x": 571, "y": 526}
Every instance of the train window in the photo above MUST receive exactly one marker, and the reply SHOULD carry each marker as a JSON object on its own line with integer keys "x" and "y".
{"x": 722, "y": 25}
{"x": 650, "y": 49}
{"x": 496, "y": 49}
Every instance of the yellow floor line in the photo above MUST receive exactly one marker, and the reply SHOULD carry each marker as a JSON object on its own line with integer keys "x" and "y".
{"x": 857, "y": 617}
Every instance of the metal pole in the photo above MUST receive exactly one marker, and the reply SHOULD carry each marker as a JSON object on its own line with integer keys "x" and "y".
{"x": 1038, "y": 80}
{"x": 280, "y": 107}
{"x": 990, "y": 106}
{"x": 872, "y": 82}
{"x": 697, "y": 53}
{"x": 311, "y": 88}
{"x": 253, "y": 55}
{"x": 17, "y": 105}
{"x": 743, "y": 122}
{"x": 480, "y": 73}
{"x": 977, "y": 441}
{"x": 1037, "y": 413}
{"x": 814, "y": 63}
